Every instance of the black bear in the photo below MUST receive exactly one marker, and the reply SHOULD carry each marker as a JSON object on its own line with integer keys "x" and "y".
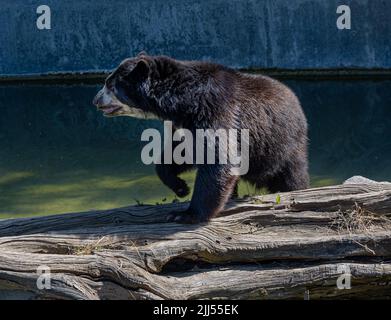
{"x": 202, "y": 95}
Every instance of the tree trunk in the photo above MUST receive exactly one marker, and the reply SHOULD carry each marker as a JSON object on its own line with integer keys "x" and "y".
{"x": 291, "y": 245}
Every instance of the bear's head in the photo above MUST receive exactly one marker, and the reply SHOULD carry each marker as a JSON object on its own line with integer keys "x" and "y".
{"x": 135, "y": 87}
{"x": 124, "y": 91}
{"x": 160, "y": 87}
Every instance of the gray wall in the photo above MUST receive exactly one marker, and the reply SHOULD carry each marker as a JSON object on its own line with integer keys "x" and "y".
{"x": 89, "y": 35}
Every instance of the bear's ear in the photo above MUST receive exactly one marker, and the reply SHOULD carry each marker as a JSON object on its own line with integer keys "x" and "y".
{"x": 141, "y": 70}
{"x": 142, "y": 53}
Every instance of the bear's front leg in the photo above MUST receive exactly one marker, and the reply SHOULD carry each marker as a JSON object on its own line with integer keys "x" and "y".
{"x": 168, "y": 174}
{"x": 213, "y": 187}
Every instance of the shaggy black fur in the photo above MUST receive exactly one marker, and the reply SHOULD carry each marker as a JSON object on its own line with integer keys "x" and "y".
{"x": 201, "y": 95}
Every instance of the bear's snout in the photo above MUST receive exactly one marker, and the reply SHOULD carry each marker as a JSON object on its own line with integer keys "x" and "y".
{"x": 97, "y": 101}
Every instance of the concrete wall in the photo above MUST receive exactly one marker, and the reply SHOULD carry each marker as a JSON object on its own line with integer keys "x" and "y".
{"x": 95, "y": 35}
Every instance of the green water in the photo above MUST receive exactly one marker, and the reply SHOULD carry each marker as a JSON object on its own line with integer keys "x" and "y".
{"x": 59, "y": 155}
{"x": 93, "y": 183}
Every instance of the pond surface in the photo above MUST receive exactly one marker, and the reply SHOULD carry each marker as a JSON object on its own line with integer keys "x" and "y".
{"x": 58, "y": 154}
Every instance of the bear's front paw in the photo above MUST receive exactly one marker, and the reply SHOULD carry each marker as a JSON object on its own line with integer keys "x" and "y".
{"x": 185, "y": 217}
{"x": 182, "y": 189}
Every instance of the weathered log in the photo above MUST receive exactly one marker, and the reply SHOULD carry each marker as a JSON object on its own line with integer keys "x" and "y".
{"x": 289, "y": 245}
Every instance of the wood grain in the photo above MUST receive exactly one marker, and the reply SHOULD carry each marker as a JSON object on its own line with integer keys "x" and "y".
{"x": 259, "y": 248}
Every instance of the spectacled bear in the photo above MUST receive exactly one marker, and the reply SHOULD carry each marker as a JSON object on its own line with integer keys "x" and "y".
{"x": 203, "y": 95}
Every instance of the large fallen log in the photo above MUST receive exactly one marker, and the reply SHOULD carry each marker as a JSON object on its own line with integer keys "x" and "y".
{"x": 290, "y": 245}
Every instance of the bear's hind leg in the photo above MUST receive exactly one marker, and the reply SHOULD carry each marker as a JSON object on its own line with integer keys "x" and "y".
{"x": 235, "y": 192}
{"x": 293, "y": 177}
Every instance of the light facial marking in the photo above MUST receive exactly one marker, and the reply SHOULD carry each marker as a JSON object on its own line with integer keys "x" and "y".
{"x": 109, "y": 99}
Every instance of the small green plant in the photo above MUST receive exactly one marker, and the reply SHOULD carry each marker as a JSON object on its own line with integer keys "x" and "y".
{"x": 138, "y": 202}
{"x": 278, "y": 199}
